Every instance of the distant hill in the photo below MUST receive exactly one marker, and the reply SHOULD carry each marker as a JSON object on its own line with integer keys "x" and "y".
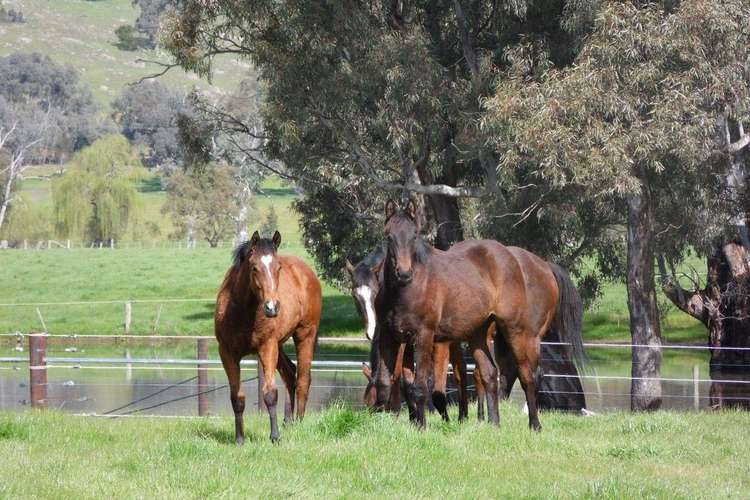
{"x": 80, "y": 33}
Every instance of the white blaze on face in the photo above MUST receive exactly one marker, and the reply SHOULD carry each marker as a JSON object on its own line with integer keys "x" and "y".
{"x": 366, "y": 295}
{"x": 266, "y": 260}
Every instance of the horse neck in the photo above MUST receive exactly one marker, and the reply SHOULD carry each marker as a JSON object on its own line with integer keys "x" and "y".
{"x": 241, "y": 290}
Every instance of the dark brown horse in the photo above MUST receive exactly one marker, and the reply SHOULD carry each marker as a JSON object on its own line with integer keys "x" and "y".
{"x": 430, "y": 295}
{"x": 366, "y": 279}
{"x": 265, "y": 299}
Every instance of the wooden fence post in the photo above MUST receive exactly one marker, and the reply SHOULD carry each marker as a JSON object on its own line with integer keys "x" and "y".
{"x": 38, "y": 370}
{"x": 261, "y": 402}
{"x": 202, "y": 378}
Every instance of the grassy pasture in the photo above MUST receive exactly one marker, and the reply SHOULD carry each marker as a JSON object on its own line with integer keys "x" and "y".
{"x": 341, "y": 453}
{"x": 80, "y": 33}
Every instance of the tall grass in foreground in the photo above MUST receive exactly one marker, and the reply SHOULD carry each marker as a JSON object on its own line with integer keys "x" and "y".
{"x": 343, "y": 453}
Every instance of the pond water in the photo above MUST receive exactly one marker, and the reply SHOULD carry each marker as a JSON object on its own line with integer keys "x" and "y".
{"x": 170, "y": 390}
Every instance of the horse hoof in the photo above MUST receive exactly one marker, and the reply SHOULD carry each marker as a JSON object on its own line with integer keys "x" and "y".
{"x": 536, "y": 427}
{"x": 240, "y": 440}
{"x": 275, "y": 439}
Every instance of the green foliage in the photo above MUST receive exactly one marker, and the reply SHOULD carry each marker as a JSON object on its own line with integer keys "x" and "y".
{"x": 27, "y": 221}
{"x": 42, "y": 93}
{"x": 128, "y": 39}
{"x": 148, "y": 115}
{"x": 356, "y": 95}
{"x": 270, "y": 223}
{"x": 637, "y": 113}
{"x": 206, "y": 201}
{"x": 95, "y": 199}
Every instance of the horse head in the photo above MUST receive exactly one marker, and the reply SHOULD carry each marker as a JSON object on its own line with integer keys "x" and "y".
{"x": 265, "y": 266}
{"x": 404, "y": 245}
{"x": 366, "y": 281}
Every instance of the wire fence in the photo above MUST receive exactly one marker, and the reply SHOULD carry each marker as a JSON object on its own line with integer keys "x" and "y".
{"x": 68, "y": 244}
{"x": 111, "y": 379}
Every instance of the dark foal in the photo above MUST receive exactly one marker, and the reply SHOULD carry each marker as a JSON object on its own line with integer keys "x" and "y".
{"x": 265, "y": 299}
{"x": 366, "y": 279}
{"x": 434, "y": 296}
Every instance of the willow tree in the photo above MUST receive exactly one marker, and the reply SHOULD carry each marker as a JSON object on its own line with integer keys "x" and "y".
{"x": 632, "y": 125}
{"x": 96, "y": 197}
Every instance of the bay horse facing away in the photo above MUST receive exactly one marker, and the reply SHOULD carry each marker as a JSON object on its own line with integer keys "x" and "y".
{"x": 265, "y": 299}
{"x": 431, "y": 295}
{"x": 366, "y": 279}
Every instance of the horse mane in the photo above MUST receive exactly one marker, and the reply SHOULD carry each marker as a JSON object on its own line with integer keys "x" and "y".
{"x": 240, "y": 254}
{"x": 375, "y": 257}
{"x": 424, "y": 249}
{"x": 263, "y": 245}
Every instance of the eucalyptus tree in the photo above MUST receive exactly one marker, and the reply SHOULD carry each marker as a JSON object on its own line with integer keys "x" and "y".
{"x": 365, "y": 101}
{"x": 632, "y": 125}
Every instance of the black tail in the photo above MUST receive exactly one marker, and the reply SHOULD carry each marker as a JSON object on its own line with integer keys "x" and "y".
{"x": 568, "y": 321}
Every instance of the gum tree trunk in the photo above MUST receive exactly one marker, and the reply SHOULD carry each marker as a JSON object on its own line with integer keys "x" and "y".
{"x": 644, "y": 316}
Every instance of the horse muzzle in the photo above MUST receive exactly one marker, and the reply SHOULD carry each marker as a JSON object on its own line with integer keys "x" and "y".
{"x": 271, "y": 308}
{"x": 404, "y": 279}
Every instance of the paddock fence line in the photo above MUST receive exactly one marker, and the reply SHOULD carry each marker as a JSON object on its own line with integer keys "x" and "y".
{"x": 111, "y": 244}
{"x": 39, "y": 363}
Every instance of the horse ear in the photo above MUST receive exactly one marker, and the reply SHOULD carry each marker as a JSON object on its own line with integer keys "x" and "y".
{"x": 349, "y": 267}
{"x": 390, "y": 209}
{"x": 254, "y": 239}
{"x": 277, "y": 239}
{"x": 367, "y": 371}
{"x": 377, "y": 267}
{"x": 411, "y": 210}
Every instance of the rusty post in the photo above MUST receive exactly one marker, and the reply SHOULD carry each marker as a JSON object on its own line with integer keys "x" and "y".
{"x": 38, "y": 369}
{"x": 261, "y": 402}
{"x": 202, "y": 377}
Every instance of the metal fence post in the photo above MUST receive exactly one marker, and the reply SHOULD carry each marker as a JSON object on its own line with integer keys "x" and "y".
{"x": 38, "y": 369}
{"x": 696, "y": 388}
{"x": 202, "y": 378}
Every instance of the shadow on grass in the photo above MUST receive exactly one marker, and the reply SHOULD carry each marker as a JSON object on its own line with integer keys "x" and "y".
{"x": 280, "y": 191}
{"x": 207, "y": 314}
{"x": 151, "y": 185}
{"x": 223, "y": 436}
{"x": 339, "y": 314}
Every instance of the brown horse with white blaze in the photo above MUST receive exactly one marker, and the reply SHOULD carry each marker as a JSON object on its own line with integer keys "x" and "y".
{"x": 434, "y": 296}
{"x": 264, "y": 300}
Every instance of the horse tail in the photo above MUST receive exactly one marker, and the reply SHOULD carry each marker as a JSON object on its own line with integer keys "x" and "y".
{"x": 568, "y": 321}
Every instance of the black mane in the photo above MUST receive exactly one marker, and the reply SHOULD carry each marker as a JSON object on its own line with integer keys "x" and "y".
{"x": 240, "y": 254}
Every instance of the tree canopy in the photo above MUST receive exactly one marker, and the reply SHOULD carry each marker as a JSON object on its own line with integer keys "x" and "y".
{"x": 33, "y": 85}
{"x": 148, "y": 115}
{"x": 206, "y": 202}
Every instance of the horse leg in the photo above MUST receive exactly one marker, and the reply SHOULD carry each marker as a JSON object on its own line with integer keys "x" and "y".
{"x": 304, "y": 341}
{"x": 236, "y": 394}
{"x": 459, "y": 371}
{"x": 288, "y": 374}
{"x": 268, "y": 355}
{"x": 423, "y": 345}
{"x": 506, "y": 364}
{"x": 440, "y": 356}
{"x": 481, "y": 393}
{"x": 406, "y": 381}
{"x": 488, "y": 372}
{"x": 526, "y": 353}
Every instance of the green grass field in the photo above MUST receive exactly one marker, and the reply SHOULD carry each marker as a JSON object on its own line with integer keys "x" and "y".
{"x": 340, "y": 453}
{"x": 80, "y": 33}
